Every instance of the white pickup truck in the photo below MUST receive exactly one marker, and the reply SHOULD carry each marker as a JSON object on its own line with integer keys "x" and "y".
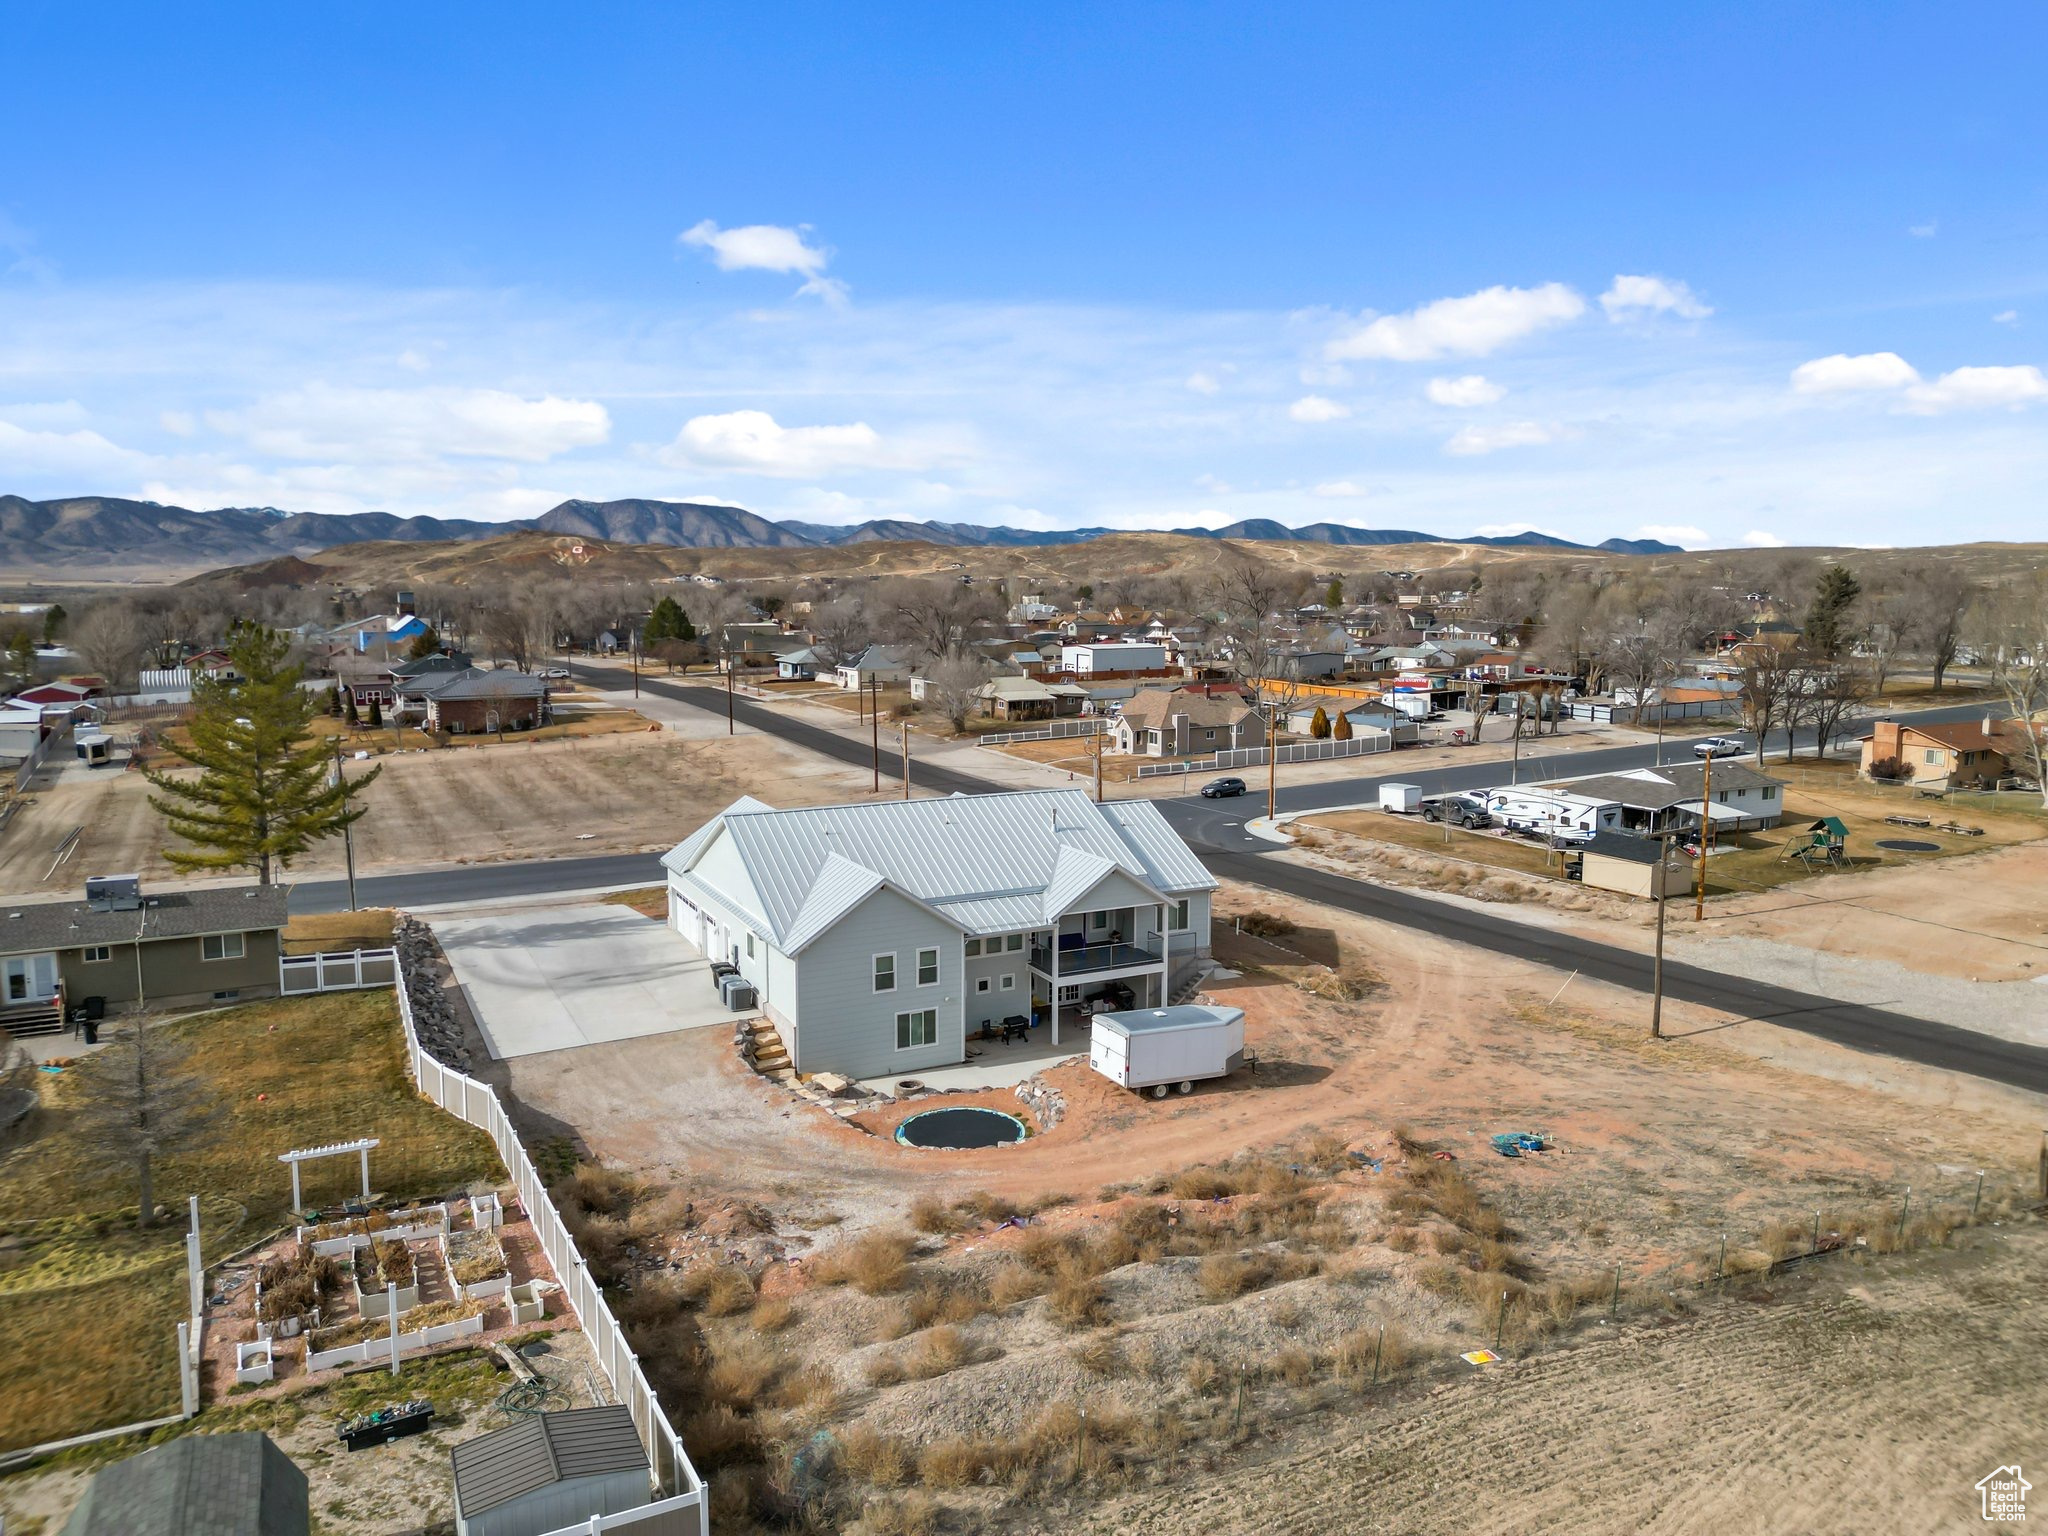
{"x": 1720, "y": 746}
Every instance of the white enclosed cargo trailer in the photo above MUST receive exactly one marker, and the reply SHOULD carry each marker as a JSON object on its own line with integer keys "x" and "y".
{"x": 1405, "y": 799}
{"x": 1162, "y": 1048}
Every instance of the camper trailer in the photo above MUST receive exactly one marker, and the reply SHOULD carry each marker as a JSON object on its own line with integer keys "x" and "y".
{"x": 1553, "y": 814}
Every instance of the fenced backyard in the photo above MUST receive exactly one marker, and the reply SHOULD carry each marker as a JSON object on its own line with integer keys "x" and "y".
{"x": 1365, "y": 744}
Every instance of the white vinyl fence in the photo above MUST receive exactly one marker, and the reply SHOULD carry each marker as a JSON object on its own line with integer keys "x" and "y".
{"x": 59, "y": 740}
{"x": 467, "y": 1099}
{"x": 1365, "y": 744}
{"x": 342, "y": 971}
{"x": 1052, "y": 730}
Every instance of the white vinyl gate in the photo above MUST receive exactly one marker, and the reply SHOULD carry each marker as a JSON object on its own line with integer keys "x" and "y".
{"x": 342, "y": 971}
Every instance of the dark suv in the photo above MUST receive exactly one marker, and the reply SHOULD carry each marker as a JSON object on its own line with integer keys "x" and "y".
{"x": 1220, "y": 789}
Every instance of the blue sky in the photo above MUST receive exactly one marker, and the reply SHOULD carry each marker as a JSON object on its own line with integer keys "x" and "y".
{"x": 1747, "y": 274}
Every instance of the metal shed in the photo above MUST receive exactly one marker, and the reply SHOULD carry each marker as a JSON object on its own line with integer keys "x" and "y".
{"x": 551, "y": 1471}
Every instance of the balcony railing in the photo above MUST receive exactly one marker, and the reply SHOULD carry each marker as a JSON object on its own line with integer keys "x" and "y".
{"x": 1081, "y": 960}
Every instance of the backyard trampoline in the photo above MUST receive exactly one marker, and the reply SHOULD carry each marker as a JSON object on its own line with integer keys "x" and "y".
{"x": 1907, "y": 845}
{"x": 957, "y": 1130}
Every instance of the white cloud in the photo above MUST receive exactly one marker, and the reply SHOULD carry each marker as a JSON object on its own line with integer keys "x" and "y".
{"x": 1756, "y": 538}
{"x": 25, "y": 450}
{"x": 1474, "y": 441}
{"x": 1472, "y": 389}
{"x": 412, "y": 360}
{"x": 1978, "y": 389}
{"x": 1338, "y": 488}
{"x": 1325, "y": 375}
{"x": 755, "y": 441}
{"x": 177, "y": 423}
{"x": 1203, "y": 383}
{"x": 1213, "y": 485}
{"x": 1673, "y": 533}
{"x": 394, "y": 425}
{"x": 2006, "y": 317}
{"x": 1925, "y": 231}
{"x": 768, "y": 248}
{"x": 1472, "y": 326}
{"x": 1632, "y": 296}
{"x": 1841, "y": 373}
{"x": 1315, "y": 408}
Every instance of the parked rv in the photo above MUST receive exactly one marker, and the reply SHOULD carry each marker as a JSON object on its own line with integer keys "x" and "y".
{"x": 1549, "y": 814}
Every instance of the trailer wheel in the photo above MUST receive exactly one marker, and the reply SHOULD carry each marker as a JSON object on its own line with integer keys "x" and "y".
{"x": 1159, "y": 1090}
{"x": 1187, "y": 1087}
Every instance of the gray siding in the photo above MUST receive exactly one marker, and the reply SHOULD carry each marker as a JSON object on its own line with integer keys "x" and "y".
{"x": 997, "y": 1004}
{"x": 848, "y": 1026}
{"x": 560, "y": 1506}
{"x": 173, "y": 972}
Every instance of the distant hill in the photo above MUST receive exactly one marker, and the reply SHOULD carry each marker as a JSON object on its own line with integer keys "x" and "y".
{"x": 107, "y": 533}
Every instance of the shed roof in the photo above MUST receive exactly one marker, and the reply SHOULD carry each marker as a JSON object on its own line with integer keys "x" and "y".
{"x": 33, "y": 927}
{"x": 1619, "y": 845}
{"x": 540, "y": 1451}
{"x": 237, "y": 1484}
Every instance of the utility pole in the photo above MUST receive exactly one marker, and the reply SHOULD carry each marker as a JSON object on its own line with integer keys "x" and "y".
{"x": 875, "y": 730}
{"x": 1272, "y": 760}
{"x": 1515, "y": 771}
{"x": 728, "y": 691}
{"x": 1699, "y": 901}
{"x": 633, "y": 650}
{"x": 348, "y": 831}
{"x": 905, "y": 724}
{"x": 1098, "y": 767}
{"x": 1657, "y": 970}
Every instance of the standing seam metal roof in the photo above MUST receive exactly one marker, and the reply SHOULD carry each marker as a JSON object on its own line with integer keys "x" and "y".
{"x": 543, "y": 1450}
{"x": 992, "y": 863}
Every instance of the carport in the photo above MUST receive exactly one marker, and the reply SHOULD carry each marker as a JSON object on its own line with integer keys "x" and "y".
{"x": 555, "y": 977}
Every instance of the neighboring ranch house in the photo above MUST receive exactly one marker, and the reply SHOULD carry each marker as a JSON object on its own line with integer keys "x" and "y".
{"x": 180, "y": 948}
{"x": 876, "y": 665}
{"x": 1658, "y": 800}
{"x": 1027, "y": 698}
{"x": 878, "y": 935}
{"x": 1185, "y": 722}
{"x": 1957, "y": 754}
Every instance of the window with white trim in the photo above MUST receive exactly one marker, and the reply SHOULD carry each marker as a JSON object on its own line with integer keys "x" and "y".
{"x": 1014, "y": 942}
{"x": 927, "y": 967}
{"x": 981, "y": 984}
{"x": 1010, "y": 983}
{"x": 221, "y": 946}
{"x": 885, "y": 972}
{"x": 96, "y": 952}
{"x": 916, "y": 1029}
{"x": 1177, "y": 916}
{"x": 1098, "y": 920}
{"x": 973, "y": 947}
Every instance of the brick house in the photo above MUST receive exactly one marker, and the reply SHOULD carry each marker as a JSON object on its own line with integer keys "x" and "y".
{"x": 473, "y": 701}
{"x": 1958, "y": 754}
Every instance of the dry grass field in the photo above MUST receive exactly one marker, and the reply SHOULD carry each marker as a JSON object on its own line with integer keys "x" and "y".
{"x": 87, "y": 1303}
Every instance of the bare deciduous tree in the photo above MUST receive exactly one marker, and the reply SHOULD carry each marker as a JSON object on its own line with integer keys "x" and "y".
{"x": 144, "y": 1098}
{"x": 2012, "y": 630}
{"x": 1771, "y": 684}
{"x": 1935, "y": 608}
{"x": 108, "y": 638}
{"x": 1828, "y": 693}
{"x": 953, "y": 683}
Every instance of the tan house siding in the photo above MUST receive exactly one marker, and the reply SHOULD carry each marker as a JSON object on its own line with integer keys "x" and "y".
{"x": 174, "y": 974}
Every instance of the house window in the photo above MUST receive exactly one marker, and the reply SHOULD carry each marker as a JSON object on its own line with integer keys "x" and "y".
{"x": 1098, "y": 920}
{"x": 973, "y": 947}
{"x": 1932, "y": 757}
{"x": 915, "y": 1029}
{"x": 221, "y": 946}
{"x": 927, "y": 967}
{"x": 1014, "y": 942}
{"x": 981, "y": 984}
{"x": 1770, "y": 792}
{"x": 1010, "y": 983}
{"x": 97, "y": 952}
{"x": 885, "y": 973}
{"x": 750, "y": 946}
{"x": 1177, "y": 917}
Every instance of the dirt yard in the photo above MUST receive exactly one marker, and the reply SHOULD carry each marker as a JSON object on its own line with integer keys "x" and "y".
{"x": 607, "y": 794}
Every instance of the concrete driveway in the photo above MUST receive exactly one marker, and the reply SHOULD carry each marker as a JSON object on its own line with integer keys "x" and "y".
{"x": 552, "y": 978}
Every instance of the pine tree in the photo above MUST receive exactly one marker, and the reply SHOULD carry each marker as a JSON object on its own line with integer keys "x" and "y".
{"x": 376, "y": 713}
{"x": 426, "y": 643}
{"x": 666, "y": 622}
{"x": 262, "y": 796}
{"x": 1333, "y": 595}
{"x": 1319, "y": 724}
{"x": 355, "y": 716}
{"x": 1342, "y": 729}
{"x": 1827, "y": 628}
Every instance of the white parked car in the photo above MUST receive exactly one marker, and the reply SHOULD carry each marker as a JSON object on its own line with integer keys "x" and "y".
{"x": 1721, "y": 746}
{"x": 553, "y": 674}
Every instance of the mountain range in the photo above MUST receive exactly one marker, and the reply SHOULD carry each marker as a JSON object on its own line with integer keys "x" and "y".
{"x": 95, "y": 533}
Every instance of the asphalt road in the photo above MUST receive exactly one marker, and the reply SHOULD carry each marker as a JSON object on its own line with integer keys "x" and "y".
{"x": 1215, "y": 830}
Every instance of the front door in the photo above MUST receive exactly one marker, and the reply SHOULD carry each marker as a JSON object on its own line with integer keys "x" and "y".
{"x": 31, "y": 978}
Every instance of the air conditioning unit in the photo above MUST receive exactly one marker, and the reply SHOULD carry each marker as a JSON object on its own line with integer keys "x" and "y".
{"x": 114, "y": 893}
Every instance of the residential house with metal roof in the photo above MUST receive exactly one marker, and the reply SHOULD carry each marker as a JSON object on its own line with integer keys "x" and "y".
{"x": 878, "y": 935}
{"x": 554, "y": 1472}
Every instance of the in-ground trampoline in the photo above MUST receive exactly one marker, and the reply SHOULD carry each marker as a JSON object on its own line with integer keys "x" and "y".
{"x": 961, "y": 1128}
{"x": 1907, "y": 845}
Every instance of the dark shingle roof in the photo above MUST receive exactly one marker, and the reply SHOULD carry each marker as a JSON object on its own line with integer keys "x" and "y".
{"x": 501, "y": 684}
{"x": 1683, "y": 784}
{"x": 1619, "y": 845}
{"x": 236, "y": 1484}
{"x": 545, "y": 1449}
{"x": 32, "y": 927}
